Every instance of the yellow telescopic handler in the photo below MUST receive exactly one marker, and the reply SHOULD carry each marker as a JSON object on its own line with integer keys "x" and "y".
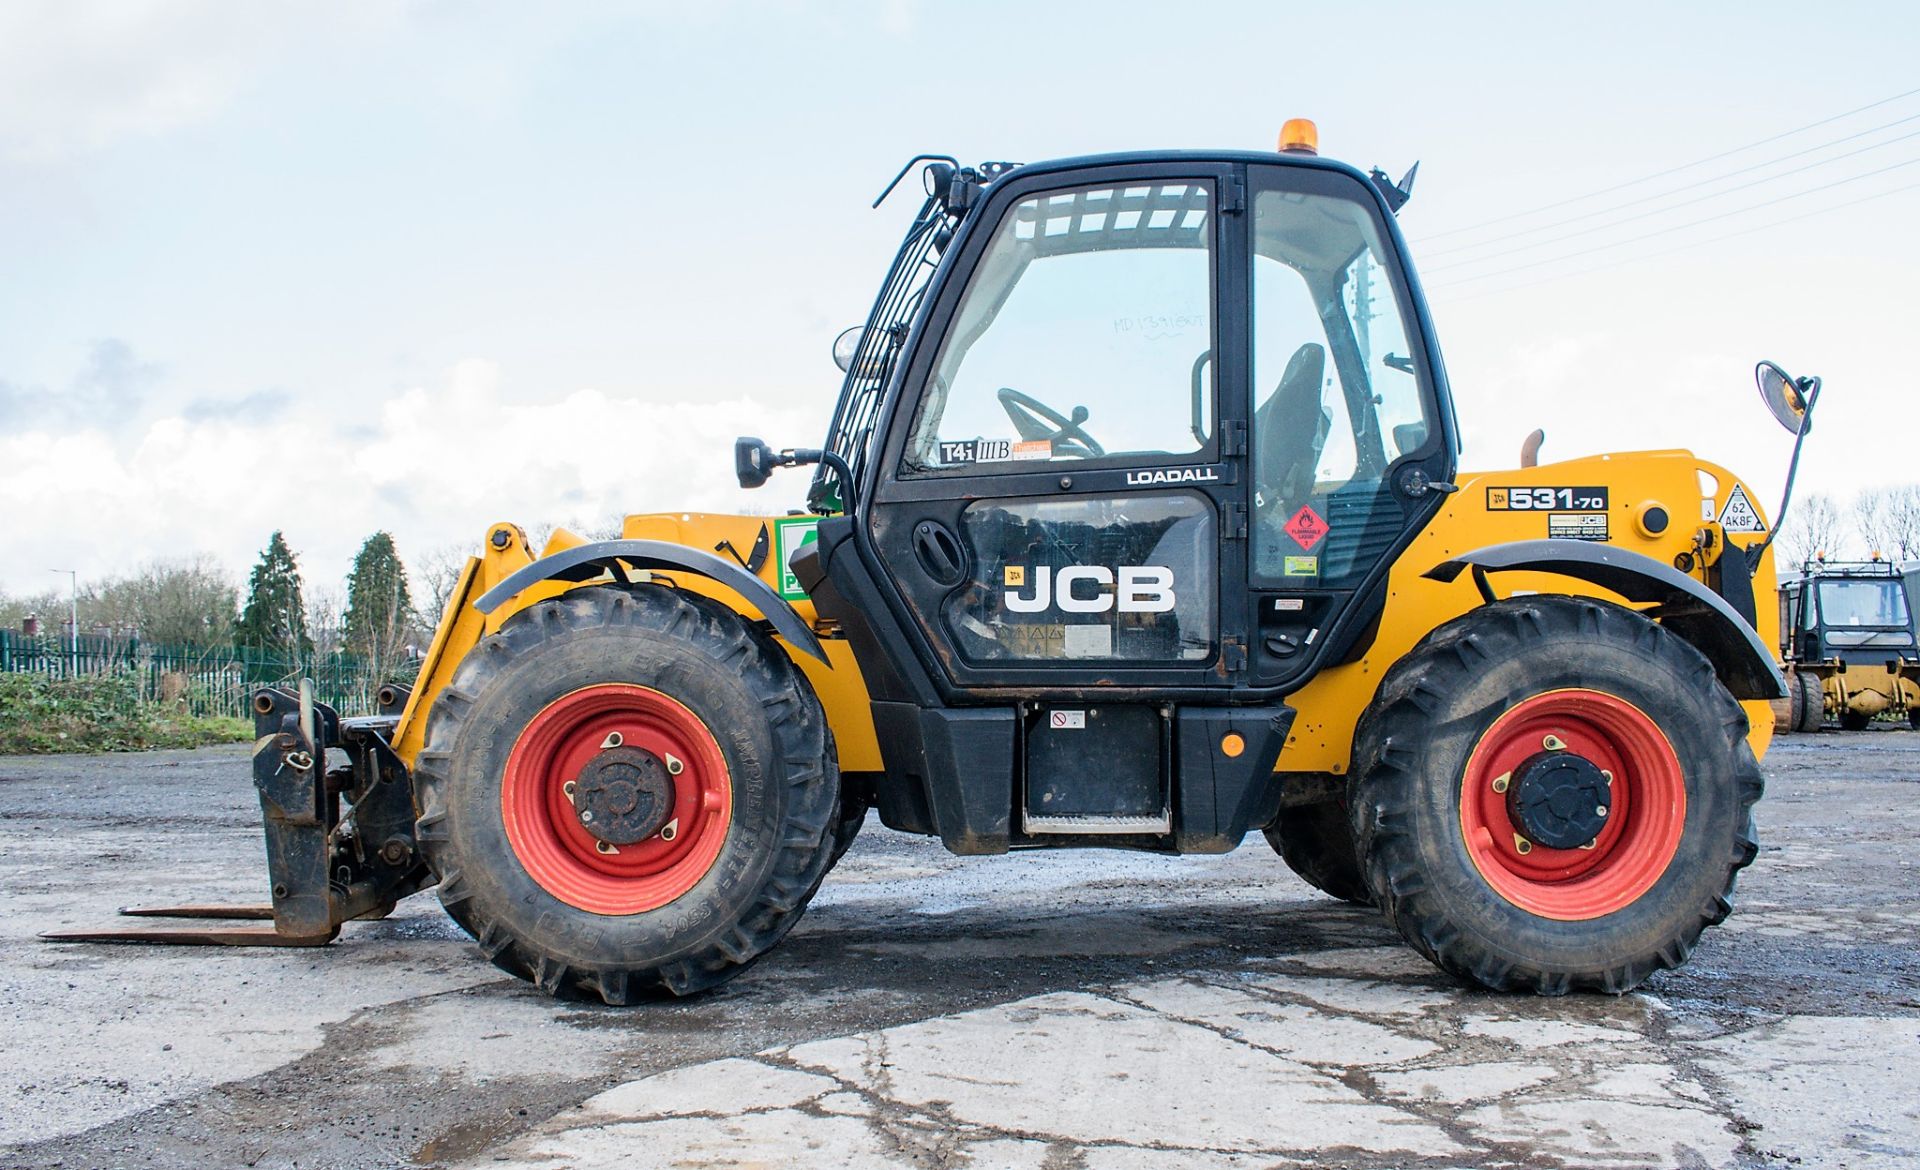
{"x": 1138, "y": 524}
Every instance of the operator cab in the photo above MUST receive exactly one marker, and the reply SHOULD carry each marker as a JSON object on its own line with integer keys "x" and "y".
{"x": 1124, "y": 451}
{"x": 1848, "y": 612}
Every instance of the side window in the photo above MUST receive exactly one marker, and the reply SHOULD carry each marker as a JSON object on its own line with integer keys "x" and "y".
{"x": 1335, "y": 394}
{"x": 1084, "y": 333}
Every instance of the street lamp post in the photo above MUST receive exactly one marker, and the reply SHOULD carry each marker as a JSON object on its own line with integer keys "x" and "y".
{"x": 73, "y": 640}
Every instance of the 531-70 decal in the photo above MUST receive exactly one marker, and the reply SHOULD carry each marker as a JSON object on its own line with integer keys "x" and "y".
{"x": 1546, "y": 499}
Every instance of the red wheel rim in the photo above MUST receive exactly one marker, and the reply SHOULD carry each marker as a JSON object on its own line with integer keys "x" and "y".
{"x": 1643, "y": 827}
{"x": 547, "y": 837}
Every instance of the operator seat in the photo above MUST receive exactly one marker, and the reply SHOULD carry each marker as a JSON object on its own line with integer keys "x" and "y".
{"x": 1290, "y": 429}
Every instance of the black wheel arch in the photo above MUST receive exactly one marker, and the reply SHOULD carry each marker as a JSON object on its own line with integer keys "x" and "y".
{"x": 587, "y": 561}
{"x": 1683, "y": 605}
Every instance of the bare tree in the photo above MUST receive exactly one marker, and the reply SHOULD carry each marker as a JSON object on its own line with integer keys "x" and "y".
{"x": 1889, "y": 518}
{"x": 437, "y": 571}
{"x": 327, "y": 619}
{"x": 190, "y": 602}
{"x": 1814, "y": 526}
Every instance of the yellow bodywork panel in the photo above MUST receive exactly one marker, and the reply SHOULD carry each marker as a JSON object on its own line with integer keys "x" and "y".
{"x": 1693, "y": 494}
{"x": 842, "y": 691}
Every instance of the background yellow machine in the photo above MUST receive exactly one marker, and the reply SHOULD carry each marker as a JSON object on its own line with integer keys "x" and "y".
{"x": 1138, "y": 524}
{"x": 1847, "y": 636}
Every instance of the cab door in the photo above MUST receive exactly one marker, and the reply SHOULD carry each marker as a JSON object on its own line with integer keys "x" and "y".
{"x": 1062, "y": 497}
{"x": 1347, "y": 433}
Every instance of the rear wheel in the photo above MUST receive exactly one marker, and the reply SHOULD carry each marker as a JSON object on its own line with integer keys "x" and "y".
{"x": 1316, "y": 842}
{"x": 627, "y": 792}
{"x": 1554, "y": 793}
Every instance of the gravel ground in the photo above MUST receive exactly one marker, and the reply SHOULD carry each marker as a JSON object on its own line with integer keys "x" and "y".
{"x": 1072, "y": 1009}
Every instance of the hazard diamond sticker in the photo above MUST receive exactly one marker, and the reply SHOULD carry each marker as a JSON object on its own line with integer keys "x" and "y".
{"x": 1739, "y": 514}
{"x": 1306, "y": 528}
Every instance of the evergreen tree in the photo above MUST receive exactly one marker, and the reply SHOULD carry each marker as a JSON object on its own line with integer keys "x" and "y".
{"x": 275, "y": 617}
{"x": 379, "y": 610}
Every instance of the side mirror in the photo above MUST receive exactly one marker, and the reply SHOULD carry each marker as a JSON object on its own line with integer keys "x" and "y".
{"x": 1789, "y": 399}
{"x": 753, "y": 461}
{"x": 846, "y": 346}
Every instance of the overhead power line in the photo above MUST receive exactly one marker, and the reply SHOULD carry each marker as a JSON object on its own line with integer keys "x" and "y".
{"x": 1673, "y": 170}
{"x": 1711, "y": 179}
{"x": 1747, "y": 231}
{"x": 1680, "y": 226}
{"x": 1601, "y": 227}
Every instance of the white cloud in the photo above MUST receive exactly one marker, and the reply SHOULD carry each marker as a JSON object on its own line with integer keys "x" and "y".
{"x": 435, "y": 465}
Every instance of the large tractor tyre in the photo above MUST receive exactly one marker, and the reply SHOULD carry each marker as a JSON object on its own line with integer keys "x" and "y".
{"x": 1483, "y": 768}
{"x": 1316, "y": 842}
{"x": 1811, "y": 699}
{"x": 1913, "y": 717}
{"x": 627, "y": 792}
{"x": 1854, "y": 721}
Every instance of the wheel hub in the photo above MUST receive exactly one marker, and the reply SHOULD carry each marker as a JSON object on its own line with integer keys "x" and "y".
{"x": 624, "y": 795}
{"x": 1559, "y": 799}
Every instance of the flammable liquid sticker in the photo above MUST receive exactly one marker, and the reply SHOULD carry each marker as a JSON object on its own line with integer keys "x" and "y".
{"x": 1306, "y": 528}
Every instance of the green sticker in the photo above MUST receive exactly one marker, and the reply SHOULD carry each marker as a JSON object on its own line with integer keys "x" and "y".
{"x": 790, "y": 535}
{"x": 1302, "y": 567}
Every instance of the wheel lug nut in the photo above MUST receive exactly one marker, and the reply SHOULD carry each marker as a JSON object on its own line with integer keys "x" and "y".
{"x": 1501, "y": 781}
{"x": 1553, "y": 743}
{"x": 1521, "y": 845}
{"x": 1607, "y": 776}
{"x": 1600, "y": 810}
{"x": 614, "y": 739}
{"x": 670, "y": 830}
{"x": 674, "y": 766}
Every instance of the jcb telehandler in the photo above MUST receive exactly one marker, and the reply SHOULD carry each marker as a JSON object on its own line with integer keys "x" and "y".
{"x": 1138, "y": 524}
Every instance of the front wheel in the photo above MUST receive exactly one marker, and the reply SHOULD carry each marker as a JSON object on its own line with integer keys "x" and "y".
{"x": 1554, "y": 793}
{"x": 627, "y": 792}
{"x": 1811, "y": 695}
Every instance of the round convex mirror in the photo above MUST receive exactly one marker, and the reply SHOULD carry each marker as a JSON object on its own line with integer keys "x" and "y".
{"x": 846, "y": 346}
{"x": 1782, "y": 396}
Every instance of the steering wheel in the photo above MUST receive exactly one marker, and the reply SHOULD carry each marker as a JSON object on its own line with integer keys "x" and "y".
{"x": 1031, "y": 418}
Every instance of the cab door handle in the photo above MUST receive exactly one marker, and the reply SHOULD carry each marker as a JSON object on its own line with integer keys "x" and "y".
{"x": 939, "y": 552}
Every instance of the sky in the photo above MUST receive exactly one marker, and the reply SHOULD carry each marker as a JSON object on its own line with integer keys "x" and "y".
{"x": 334, "y": 268}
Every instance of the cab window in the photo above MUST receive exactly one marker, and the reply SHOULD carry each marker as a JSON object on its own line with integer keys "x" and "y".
{"x": 1084, "y": 334}
{"x": 1337, "y": 399}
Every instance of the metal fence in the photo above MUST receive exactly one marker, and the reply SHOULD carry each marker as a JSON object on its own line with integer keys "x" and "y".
{"x": 206, "y": 681}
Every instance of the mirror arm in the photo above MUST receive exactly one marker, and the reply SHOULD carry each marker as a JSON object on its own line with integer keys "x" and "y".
{"x": 1810, "y": 387}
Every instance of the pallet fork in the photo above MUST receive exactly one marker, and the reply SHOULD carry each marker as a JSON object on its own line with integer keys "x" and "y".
{"x": 340, "y": 843}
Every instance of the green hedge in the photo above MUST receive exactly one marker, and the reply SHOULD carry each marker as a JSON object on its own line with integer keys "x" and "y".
{"x": 100, "y": 713}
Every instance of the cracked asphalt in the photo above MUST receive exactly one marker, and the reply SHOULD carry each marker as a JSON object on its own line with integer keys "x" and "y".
{"x": 1071, "y": 1009}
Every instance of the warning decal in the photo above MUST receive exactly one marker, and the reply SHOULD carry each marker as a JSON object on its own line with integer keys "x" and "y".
{"x": 1306, "y": 527}
{"x": 1739, "y": 515}
{"x": 1577, "y": 525}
